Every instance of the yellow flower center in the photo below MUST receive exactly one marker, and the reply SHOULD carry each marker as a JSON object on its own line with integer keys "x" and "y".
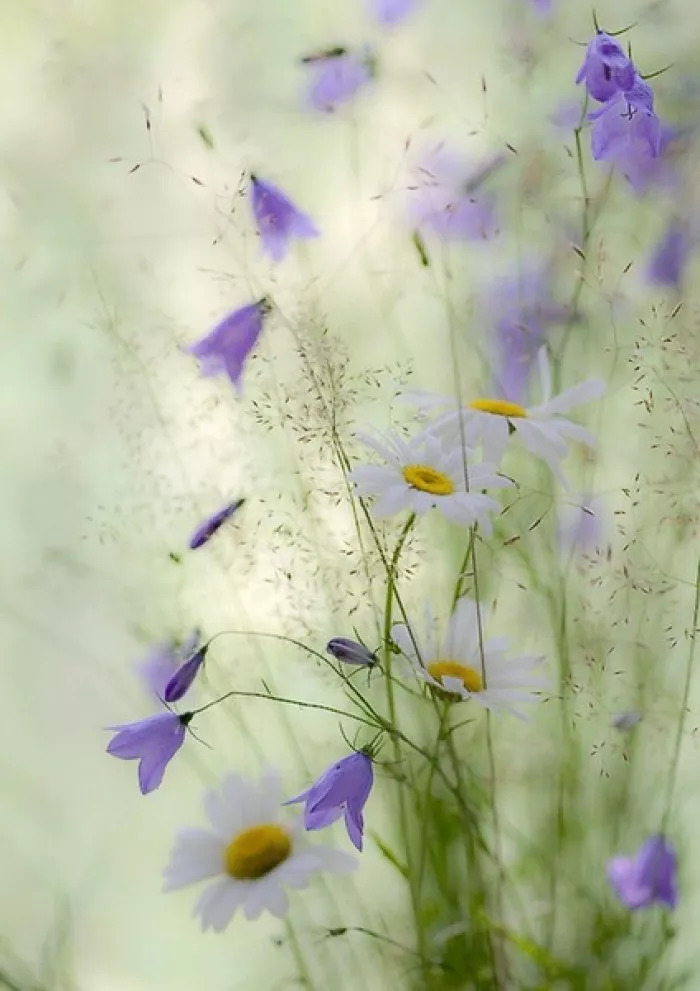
{"x": 428, "y": 480}
{"x": 500, "y": 407}
{"x": 256, "y": 851}
{"x": 470, "y": 678}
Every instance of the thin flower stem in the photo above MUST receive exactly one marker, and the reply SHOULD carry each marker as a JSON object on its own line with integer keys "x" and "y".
{"x": 305, "y": 978}
{"x": 675, "y": 759}
{"x": 425, "y": 818}
{"x": 286, "y": 701}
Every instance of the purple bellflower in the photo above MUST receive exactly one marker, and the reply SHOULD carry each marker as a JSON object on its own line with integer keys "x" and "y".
{"x": 277, "y": 218}
{"x": 227, "y": 347}
{"x": 606, "y": 70}
{"x": 390, "y": 12}
{"x": 206, "y": 530}
{"x": 181, "y": 681}
{"x": 351, "y": 652}
{"x": 153, "y": 741}
{"x": 343, "y": 789}
{"x": 582, "y": 526}
{"x": 447, "y": 199}
{"x": 336, "y": 75}
{"x": 668, "y": 262}
{"x": 521, "y": 310}
{"x": 161, "y": 663}
{"x": 627, "y": 132}
{"x": 647, "y": 877}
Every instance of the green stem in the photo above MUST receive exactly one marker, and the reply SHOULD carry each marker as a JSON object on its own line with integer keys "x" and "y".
{"x": 305, "y": 978}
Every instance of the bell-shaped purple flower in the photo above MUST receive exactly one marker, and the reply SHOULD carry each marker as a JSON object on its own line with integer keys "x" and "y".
{"x": 335, "y": 76}
{"x": 182, "y": 679}
{"x": 351, "y": 652}
{"x": 389, "y": 12}
{"x": 206, "y": 530}
{"x": 277, "y": 218}
{"x": 647, "y": 877}
{"x": 153, "y": 741}
{"x": 227, "y": 347}
{"x": 606, "y": 69}
{"x": 627, "y": 132}
{"x": 162, "y": 661}
{"x": 447, "y": 199}
{"x": 341, "y": 790}
{"x": 668, "y": 262}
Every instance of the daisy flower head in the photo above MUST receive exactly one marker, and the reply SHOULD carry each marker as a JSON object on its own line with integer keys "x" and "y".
{"x": 421, "y": 473}
{"x": 249, "y": 855}
{"x": 489, "y": 422}
{"x": 456, "y": 669}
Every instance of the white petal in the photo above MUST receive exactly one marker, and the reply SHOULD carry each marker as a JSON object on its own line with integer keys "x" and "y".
{"x": 577, "y": 395}
{"x": 197, "y": 855}
{"x": 402, "y": 638}
{"x": 373, "y": 478}
{"x": 462, "y": 636}
{"x": 217, "y": 904}
{"x": 381, "y": 445}
{"x": 392, "y": 501}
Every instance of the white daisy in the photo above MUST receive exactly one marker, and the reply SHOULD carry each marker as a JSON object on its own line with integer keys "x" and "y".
{"x": 542, "y": 429}
{"x": 452, "y": 667}
{"x": 249, "y": 854}
{"x": 421, "y": 474}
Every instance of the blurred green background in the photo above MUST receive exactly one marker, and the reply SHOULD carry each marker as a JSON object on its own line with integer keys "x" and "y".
{"x": 127, "y": 128}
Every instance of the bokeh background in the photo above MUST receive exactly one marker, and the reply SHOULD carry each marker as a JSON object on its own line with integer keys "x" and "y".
{"x": 127, "y": 131}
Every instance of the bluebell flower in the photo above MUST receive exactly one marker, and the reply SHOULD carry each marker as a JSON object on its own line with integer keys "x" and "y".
{"x": 342, "y": 790}
{"x": 606, "y": 69}
{"x": 336, "y": 76}
{"x": 227, "y": 347}
{"x": 448, "y": 199}
{"x": 647, "y": 877}
{"x": 153, "y": 741}
{"x": 668, "y": 262}
{"x": 351, "y": 652}
{"x": 277, "y": 218}
{"x": 162, "y": 661}
{"x": 181, "y": 681}
{"x": 627, "y": 132}
{"x": 206, "y": 530}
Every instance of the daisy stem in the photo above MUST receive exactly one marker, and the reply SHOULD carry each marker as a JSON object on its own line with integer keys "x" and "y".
{"x": 304, "y": 974}
{"x": 673, "y": 771}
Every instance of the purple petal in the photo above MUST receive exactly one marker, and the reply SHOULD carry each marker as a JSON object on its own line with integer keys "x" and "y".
{"x": 336, "y": 78}
{"x": 183, "y": 678}
{"x": 154, "y": 741}
{"x": 277, "y": 218}
{"x": 207, "y": 529}
{"x": 667, "y": 264}
{"x": 390, "y": 12}
{"x": 227, "y": 347}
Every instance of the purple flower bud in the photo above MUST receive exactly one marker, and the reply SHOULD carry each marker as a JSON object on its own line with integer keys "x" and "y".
{"x": 351, "y": 652}
{"x": 606, "y": 69}
{"x": 624, "y": 721}
{"x": 342, "y": 789}
{"x": 207, "y": 529}
{"x": 336, "y": 75}
{"x": 181, "y": 681}
{"x": 667, "y": 264}
{"x": 227, "y": 347}
{"x": 153, "y": 741}
{"x": 277, "y": 218}
{"x": 161, "y": 663}
{"x": 647, "y": 877}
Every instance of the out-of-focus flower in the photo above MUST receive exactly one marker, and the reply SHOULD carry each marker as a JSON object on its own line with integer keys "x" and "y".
{"x": 543, "y": 7}
{"x": 208, "y": 528}
{"x": 488, "y": 422}
{"x": 277, "y": 218}
{"x": 181, "y": 681}
{"x": 153, "y": 741}
{"x": 162, "y": 661}
{"x": 342, "y": 790}
{"x": 582, "y": 525}
{"x": 606, "y": 69}
{"x": 520, "y": 311}
{"x": 249, "y": 855}
{"x": 336, "y": 75}
{"x": 392, "y": 11}
{"x": 420, "y": 474}
{"x": 647, "y": 877}
{"x": 227, "y": 347}
{"x": 627, "y": 133}
{"x": 447, "y": 199}
{"x": 351, "y": 652}
{"x": 669, "y": 259}
{"x": 624, "y": 721}
{"x": 452, "y": 667}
